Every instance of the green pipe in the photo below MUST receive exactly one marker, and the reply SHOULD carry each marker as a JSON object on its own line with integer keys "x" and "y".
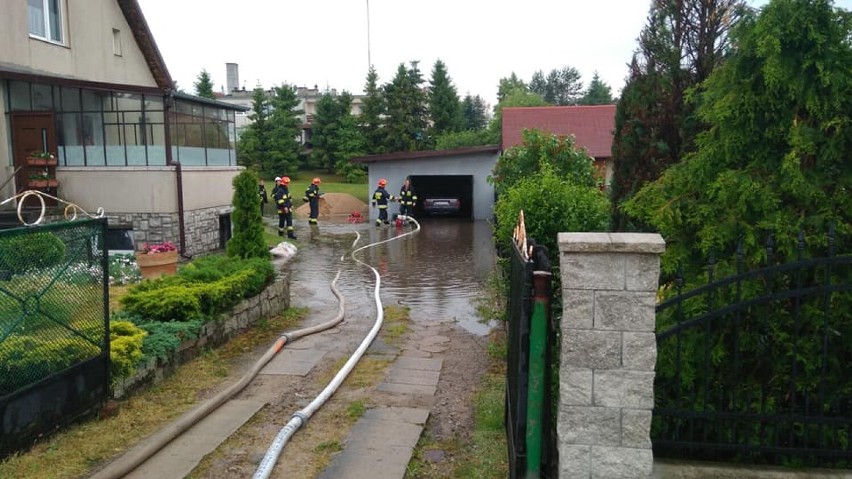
{"x": 537, "y": 382}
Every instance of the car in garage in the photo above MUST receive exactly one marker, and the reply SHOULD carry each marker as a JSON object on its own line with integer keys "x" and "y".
{"x": 441, "y": 206}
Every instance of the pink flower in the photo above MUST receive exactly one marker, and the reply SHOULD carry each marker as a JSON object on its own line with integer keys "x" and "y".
{"x": 158, "y": 248}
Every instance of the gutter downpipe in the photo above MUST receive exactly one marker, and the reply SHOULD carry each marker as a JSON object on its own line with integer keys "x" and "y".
{"x": 168, "y": 104}
{"x": 537, "y": 378}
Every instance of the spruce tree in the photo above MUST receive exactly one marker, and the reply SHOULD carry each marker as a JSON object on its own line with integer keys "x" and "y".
{"x": 474, "y": 113}
{"x": 204, "y": 85}
{"x": 598, "y": 93}
{"x": 285, "y": 127}
{"x": 405, "y": 125}
{"x": 444, "y": 106}
{"x": 370, "y": 121}
{"x": 255, "y": 139}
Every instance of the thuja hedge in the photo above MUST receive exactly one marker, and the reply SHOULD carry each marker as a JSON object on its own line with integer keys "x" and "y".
{"x": 200, "y": 290}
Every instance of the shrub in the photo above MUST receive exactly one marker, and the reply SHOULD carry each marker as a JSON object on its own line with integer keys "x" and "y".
{"x": 163, "y": 339}
{"x": 125, "y": 348}
{"x": 247, "y": 241}
{"x": 564, "y": 207}
{"x": 24, "y": 252}
{"x": 206, "y": 287}
{"x": 25, "y": 360}
{"x": 539, "y": 152}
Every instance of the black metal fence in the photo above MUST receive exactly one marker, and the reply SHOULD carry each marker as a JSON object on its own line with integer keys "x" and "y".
{"x": 757, "y": 367}
{"x": 520, "y": 305}
{"x": 54, "y": 329}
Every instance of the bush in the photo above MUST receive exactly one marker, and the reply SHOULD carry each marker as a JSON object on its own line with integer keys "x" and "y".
{"x": 24, "y": 252}
{"x": 164, "y": 338}
{"x": 247, "y": 241}
{"x": 539, "y": 152}
{"x": 25, "y": 360}
{"x": 551, "y": 205}
{"x": 125, "y": 348}
{"x": 465, "y": 139}
{"x": 206, "y": 287}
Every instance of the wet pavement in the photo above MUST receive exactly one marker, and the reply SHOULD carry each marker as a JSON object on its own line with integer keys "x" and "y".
{"x": 439, "y": 272}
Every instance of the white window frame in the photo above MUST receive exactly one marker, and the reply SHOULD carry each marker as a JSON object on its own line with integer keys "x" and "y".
{"x": 45, "y": 9}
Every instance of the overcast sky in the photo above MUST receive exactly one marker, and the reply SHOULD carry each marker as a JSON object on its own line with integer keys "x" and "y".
{"x": 324, "y": 42}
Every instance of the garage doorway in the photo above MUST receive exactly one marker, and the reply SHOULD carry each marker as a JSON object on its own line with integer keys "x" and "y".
{"x": 458, "y": 187}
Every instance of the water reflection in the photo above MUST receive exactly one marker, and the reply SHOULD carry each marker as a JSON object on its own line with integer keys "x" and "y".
{"x": 439, "y": 272}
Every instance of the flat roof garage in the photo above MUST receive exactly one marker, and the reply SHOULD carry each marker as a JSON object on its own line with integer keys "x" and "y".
{"x": 459, "y": 174}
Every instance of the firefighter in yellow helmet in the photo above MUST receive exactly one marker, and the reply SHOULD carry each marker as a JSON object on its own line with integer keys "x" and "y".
{"x": 312, "y": 196}
{"x": 380, "y": 199}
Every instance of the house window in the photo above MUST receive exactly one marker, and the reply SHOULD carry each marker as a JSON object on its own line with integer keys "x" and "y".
{"x": 45, "y": 19}
{"x": 116, "y": 42}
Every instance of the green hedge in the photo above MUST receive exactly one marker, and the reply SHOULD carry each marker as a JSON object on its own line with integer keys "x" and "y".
{"x": 200, "y": 290}
{"x": 27, "y": 359}
{"x": 24, "y": 252}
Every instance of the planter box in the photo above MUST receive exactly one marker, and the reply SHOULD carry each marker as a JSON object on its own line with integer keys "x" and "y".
{"x": 50, "y": 183}
{"x": 155, "y": 265}
{"x": 41, "y": 161}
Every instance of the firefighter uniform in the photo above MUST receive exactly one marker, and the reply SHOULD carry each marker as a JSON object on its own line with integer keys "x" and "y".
{"x": 284, "y": 203}
{"x": 380, "y": 200}
{"x": 312, "y": 196}
{"x": 407, "y": 199}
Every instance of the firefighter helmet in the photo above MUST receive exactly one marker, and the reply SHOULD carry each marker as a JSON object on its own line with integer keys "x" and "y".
{"x": 316, "y": 181}
{"x": 285, "y": 180}
{"x": 277, "y": 178}
{"x": 383, "y": 182}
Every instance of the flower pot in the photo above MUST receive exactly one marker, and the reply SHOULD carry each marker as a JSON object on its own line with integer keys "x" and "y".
{"x": 155, "y": 265}
{"x": 43, "y": 183}
{"x": 32, "y": 161}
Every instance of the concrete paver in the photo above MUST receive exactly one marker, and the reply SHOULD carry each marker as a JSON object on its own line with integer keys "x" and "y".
{"x": 181, "y": 456}
{"x": 298, "y": 362}
{"x": 380, "y": 444}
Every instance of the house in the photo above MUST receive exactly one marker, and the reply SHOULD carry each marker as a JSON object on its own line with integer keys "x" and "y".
{"x": 591, "y": 126}
{"x": 84, "y": 80}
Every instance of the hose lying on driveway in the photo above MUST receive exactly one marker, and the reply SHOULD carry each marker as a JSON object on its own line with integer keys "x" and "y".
{"x": 300, "y": 417}
{"x": 134, "y": 457}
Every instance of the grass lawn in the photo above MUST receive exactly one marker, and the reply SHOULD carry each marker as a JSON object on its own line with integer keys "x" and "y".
{"x": 330, "y": 184}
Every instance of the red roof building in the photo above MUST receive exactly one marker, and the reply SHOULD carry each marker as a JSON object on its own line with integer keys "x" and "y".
{"x": 592, "y": 127}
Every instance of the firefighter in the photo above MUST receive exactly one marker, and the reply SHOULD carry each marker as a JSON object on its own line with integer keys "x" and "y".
{"x": 380, "y": 199}
{"x": 407, "y": 198}
{"x": 264, "y": 198}
{"x": 284, "y": 203}
{"x": 312, "y": 196}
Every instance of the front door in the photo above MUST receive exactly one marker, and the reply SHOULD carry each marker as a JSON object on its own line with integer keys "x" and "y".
{"x": 30, "y": 132}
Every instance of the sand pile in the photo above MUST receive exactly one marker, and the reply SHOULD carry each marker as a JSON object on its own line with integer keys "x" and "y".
{"x": 332, "y": 205}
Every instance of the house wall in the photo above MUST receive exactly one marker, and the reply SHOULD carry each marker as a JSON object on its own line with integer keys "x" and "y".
{"x": 87, "y": 49}
{"x": 145, "y": 199}
{"x": 478, "y": 165}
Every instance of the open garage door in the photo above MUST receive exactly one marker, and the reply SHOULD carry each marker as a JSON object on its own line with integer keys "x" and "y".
{"x": 443, "y": 189}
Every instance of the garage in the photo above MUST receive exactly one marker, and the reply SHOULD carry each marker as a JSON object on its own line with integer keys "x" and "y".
{"x": 441, "y": 191}
{"x": 441, "y": 176}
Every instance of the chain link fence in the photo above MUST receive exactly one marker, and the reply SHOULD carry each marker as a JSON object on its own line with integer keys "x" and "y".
{"x": 53, "y": 316}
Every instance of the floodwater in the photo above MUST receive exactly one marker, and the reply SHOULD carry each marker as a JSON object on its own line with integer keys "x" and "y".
{"x": 439, "y": 272}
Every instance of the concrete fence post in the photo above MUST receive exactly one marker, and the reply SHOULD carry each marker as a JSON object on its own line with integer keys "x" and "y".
{"x": 608, "y": 354}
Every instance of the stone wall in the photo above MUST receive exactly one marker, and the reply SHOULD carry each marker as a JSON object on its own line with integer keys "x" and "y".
{"x": 272, "y": 300}
{"x": 609, "y": 351}
{"x": 200, "y": 226}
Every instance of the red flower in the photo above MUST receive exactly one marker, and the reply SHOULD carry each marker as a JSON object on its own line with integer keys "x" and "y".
{"x": 158, "y": 248}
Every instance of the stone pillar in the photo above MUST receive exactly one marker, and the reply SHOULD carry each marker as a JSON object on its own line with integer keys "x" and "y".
{"x": 609, "y": 350}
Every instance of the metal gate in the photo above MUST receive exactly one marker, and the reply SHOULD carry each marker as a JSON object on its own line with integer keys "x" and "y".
{"x": 756, "y": 366}
{"x": 54, "y": 327}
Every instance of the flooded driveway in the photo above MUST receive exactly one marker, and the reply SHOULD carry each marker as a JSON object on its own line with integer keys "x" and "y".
{"x": 439, "y": 272}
